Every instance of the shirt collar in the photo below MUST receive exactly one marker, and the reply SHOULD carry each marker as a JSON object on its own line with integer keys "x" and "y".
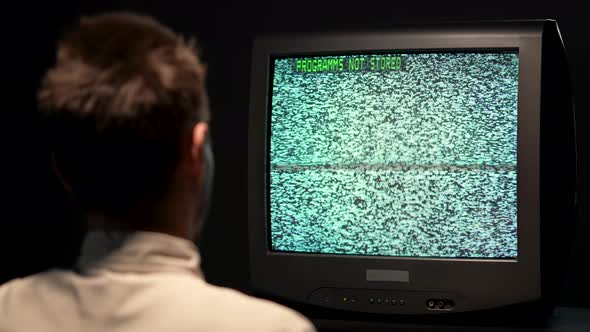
{"x": 137, "y": 252}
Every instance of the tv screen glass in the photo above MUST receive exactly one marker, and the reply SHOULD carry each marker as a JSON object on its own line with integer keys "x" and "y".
{"x": 394, "y": 154}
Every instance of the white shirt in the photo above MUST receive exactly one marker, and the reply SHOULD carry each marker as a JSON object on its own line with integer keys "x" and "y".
{"x": 136, "y": 282}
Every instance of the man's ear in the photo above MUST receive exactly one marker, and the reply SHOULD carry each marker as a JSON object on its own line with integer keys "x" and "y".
{"x": 198, "y": 140}
{"x": 60, "y": 175}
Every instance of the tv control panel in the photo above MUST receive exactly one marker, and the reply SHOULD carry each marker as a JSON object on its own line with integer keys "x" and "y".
{"x": 384, "y": 301}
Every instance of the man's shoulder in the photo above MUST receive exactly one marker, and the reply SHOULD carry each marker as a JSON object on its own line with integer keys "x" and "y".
{"x": 19, "y": 293}
{"x": 17, "y": 288}
{"x": 181, "y": 298}
{"x": 227, "y": 309}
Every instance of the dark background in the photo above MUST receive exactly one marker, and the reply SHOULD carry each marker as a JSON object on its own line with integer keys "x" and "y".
{"x": 39, "y": 230}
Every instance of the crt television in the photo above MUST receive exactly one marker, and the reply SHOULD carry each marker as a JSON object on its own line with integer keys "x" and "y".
{"x": 415, "y": 170}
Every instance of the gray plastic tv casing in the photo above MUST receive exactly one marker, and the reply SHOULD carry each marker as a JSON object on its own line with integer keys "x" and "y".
{"x": 331, "y": 280}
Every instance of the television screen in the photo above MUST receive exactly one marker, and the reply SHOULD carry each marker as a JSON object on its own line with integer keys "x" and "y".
{"x": 394, "y": 154}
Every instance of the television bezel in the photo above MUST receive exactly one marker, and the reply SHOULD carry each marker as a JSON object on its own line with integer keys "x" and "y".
{"x": 477, "y": 283}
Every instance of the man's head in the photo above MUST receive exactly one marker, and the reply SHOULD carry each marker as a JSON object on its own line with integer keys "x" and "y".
{"x": 127, "y": 113}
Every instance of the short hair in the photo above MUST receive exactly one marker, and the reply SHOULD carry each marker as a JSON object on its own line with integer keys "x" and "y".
{"x": 119, "y": 103}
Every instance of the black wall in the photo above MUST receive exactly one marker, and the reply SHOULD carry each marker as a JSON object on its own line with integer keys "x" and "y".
{"x": 38, "y": 230}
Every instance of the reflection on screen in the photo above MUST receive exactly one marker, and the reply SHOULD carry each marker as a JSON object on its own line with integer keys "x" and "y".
{"x": 408, "y": 155}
